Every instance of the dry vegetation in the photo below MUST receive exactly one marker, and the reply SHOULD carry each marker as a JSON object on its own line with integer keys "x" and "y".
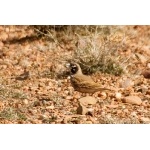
{"x": 34, "y": 87}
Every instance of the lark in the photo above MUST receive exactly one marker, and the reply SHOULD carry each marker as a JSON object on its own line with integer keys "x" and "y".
{"x": 83, "y": 83}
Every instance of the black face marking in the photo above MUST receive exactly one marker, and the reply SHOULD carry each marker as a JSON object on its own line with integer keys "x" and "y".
{"x": 74, "y": 68}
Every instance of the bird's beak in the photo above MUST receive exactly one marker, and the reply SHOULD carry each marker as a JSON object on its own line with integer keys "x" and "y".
{"x": 67, "y": 65}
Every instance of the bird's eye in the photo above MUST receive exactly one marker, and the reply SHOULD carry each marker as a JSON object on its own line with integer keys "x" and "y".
{"x": 74, "y": 70}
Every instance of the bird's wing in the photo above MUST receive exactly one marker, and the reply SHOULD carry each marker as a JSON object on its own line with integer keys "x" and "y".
{"x": 87, "y": 82}
{"x": 84, "y": 81}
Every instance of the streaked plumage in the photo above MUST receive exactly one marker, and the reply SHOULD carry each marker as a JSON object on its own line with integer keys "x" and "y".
{"x": 83, "y": 83}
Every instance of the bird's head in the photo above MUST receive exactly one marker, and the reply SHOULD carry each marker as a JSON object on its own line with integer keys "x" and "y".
{"x": 74, "y": 68}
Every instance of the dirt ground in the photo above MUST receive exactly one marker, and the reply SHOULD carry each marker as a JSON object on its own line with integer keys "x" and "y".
{"x": 34, "y": 88}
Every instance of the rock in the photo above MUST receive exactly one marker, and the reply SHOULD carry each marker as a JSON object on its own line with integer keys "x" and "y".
{"x": 126, "y": 110}
{"x": 82, "y": 110}
{"x": 146, "y": 50}
{"x": 32, "y": 111}
{"x": 103, "y": 95}
{"x": 66, "y": 102}
{"x": 146, "y": 74}
{"x": 65, "y": 121}
{"x": 69, "y": 97}
{"x": 50, "y": 107}
{"x": 112, "y": 106}
{"x": 134, "y": 114}
{"x": 42, "y": 116}
{"x": 88, "y": 122}
{"x": 127, "y": 83}
{"x": 4, "y": 36}
{"x": 71, "y": 90}
{"x": 143, "y": 89}
{"x": 90, "y": 110}
{"x": 59, "y": 89}
{"x": 145, "y": 103}
{"x": 77, "y": 95}
{"x": 145, "y": 120}
{"x": 118, "y": 95}
{"x": 132, "y": 100}
{"x": 7, "y": 30}
{"x": 25, "y": 101}
{"x": 37, "y": 103}
{"x": 1, "y": 44}
{"x": 148, "y": 65}
{"x": 66, "y": 92}
{"x": 88, "y": 100}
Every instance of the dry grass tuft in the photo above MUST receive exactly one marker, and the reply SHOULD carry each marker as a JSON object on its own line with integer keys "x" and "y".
{"x": 95, "y": 48}
{"x": 100, "y": 49}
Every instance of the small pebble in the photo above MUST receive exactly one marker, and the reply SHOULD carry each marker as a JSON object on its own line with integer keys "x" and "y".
{"x": 25, "y": 101}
